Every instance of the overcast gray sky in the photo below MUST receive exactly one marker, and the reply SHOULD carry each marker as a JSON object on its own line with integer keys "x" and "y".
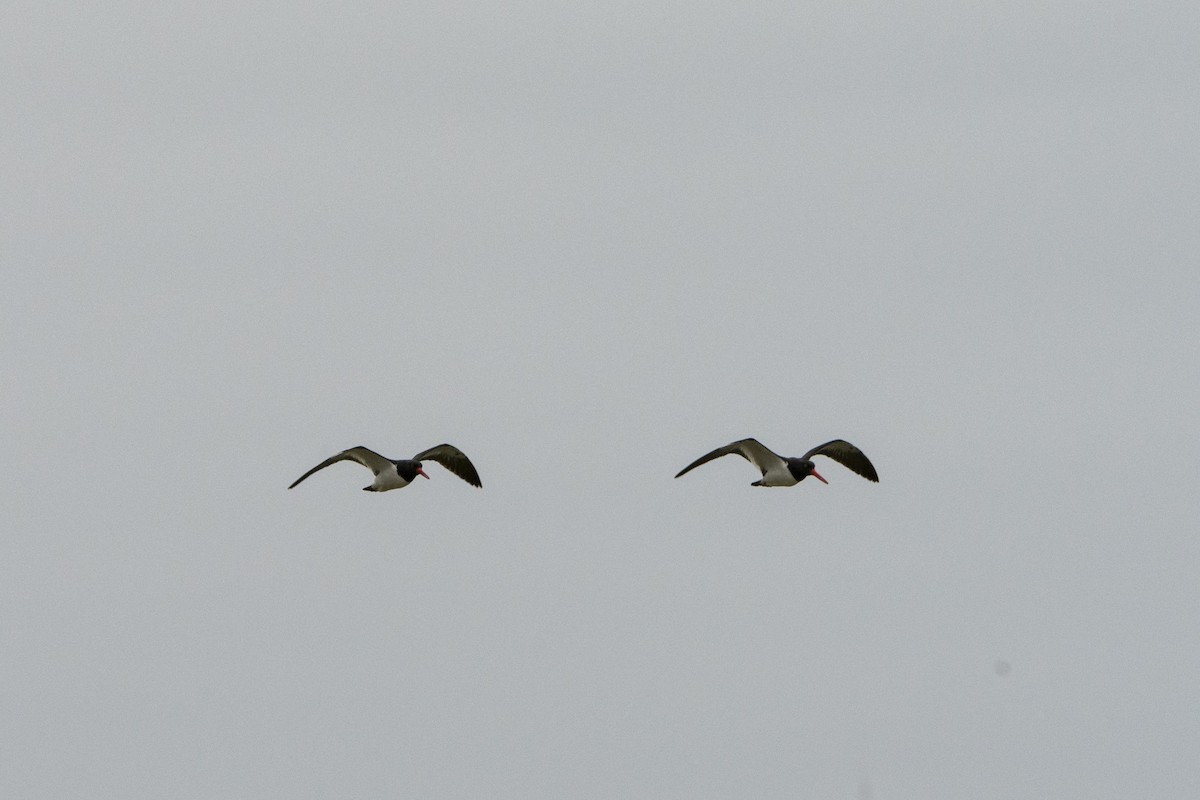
{"x": 588, "y": 243}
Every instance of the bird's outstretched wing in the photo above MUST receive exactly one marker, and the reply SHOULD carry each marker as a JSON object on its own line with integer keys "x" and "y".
{"x": 368, "y": 458}
{"x": 750, "y": 449}
{"x": 848, "y": 456}
{"x": 452, "y": 459}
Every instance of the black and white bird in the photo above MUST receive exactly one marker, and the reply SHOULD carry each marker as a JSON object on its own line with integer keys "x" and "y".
{"x": 391, "y": 474}
{"x": 779, "y": 471}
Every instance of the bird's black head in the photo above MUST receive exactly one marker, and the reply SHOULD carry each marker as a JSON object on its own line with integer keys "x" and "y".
{"x": 802, "y": 468}
{"x": 409, "y": 470}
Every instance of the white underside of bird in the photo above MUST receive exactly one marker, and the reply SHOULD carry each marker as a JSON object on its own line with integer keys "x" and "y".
{"x": 388, "y": 478}
{"x": 776, "y": 474}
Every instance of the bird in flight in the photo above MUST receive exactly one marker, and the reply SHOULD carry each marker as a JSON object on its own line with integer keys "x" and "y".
{"x": 391, "y": 474}
{"x": 779, "y": 471}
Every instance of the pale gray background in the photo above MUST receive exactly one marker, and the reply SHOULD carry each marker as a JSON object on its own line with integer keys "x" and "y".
{"x": 587, "y": 243}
